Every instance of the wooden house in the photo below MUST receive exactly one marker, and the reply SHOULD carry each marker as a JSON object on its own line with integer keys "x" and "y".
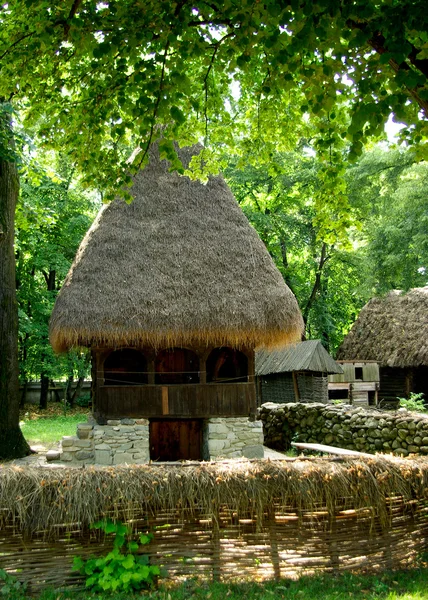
{"x": 297, "y": 373}
{"x": 172, "y": 293}
{"x": 358, "y": 384}
{"x": 393, "y": 330}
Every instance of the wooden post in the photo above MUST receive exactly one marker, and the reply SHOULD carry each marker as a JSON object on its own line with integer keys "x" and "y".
{"x": 274, "y": 554}
{"x": 216, "y": 544}
{"x": 165, "y": 404}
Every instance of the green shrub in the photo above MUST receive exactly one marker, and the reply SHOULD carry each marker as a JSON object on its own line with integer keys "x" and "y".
{"x": 10, "y": 587}
{"x": 414, "y": 402}
{"x": 122, "y": 569}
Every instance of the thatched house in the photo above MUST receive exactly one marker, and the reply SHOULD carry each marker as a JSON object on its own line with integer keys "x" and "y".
{"x": 394, "y": 331}
{"x": 172, "y": 293}
{"x": 297, "y": 373}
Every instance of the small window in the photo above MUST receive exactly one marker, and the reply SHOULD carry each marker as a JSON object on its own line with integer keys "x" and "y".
{"x": 359, "y": 373}
{"x": 176, "y": 366}
{"x": 226, "y": 365}
{"x": 125, "y": 367}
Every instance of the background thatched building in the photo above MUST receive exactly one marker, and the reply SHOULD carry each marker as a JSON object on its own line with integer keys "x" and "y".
{"x": 394, "y": 331}
{"x": 172, "y": 293}
{"x": 297, "y": 373}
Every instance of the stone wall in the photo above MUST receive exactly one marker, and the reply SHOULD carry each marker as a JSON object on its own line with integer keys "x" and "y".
{"x": 343, "y": 426}
{"x": 127, "y": 441}
{"x": 232, "y": 438}
{"x": 118, "y": 442}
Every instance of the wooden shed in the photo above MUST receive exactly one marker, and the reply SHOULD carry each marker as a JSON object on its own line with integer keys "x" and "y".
{"x": 297, "y": 373}
{"x": 172, "y": 293}
{"x": 357, "y": 385}
{"x": 393, "y": 330}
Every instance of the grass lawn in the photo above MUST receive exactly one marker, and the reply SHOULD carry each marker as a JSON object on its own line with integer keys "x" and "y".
{"x": 398, "y": 585}
{"x": 47, "y": 427}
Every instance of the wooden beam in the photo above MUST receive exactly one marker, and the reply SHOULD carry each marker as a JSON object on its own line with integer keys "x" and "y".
{"x": 165, "y": 404}
{"x": 330, "y": 449}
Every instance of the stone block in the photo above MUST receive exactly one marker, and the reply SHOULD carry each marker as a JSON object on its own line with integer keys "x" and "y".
{"x": 53, "y": 455}
{"x": 84, "y": 455}
{"x": 215, "y": 446}
{"x": 67, "y": 456}
{"x": 140, "y": 456}
{"x": 126, "y": 446}
{"x": 102, "y": 447}
{"x": 253, "y": 451}
{"x": 217, "y": 428}
{"x": 140, "y": 422}
{"x": 217, "y": 436}
{"x": 121, "y": 458}
{"x": 68, "y": 440}
{"x": 103, "y": 457}
{"x": 127, "y": 421}
{"x": 83, "y": 443}
{"x": 413, "y": 449}
{"x": 113, "y": 422}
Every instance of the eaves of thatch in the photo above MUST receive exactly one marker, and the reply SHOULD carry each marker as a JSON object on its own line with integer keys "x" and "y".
{"x": 180, "y": 265}
{"x": 392, "y": 330}
{"x": 304, "y": 356}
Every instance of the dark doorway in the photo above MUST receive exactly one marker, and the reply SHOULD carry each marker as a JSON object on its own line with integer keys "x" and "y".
{"x": 176, "y": 366}
{"x": 176, "y": 440}
{"x": 227, "y": 365}
{"x": 125, "y": 367}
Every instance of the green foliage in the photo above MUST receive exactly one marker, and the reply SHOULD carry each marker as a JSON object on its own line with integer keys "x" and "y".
{"x": 251, "y": 76}
{"x": 10, "y": 587}
{"x": 414, "y": 402}
{"x": 51, "y": 219}
{"x": 123, "y": 568}
{"x": 335, "y": 262}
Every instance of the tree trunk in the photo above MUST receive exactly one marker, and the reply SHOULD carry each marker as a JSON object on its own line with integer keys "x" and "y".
{"x": 44, "y": 378}
{"x": 12, "y": 442}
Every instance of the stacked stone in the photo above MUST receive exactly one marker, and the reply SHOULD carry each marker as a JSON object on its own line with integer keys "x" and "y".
{"x": 234, "y": 438}
{"x": 122, "y": 441}
{"x": 79, "y": 448}
{"x": 119, "y": 442}
{"x": 343, "y": 426}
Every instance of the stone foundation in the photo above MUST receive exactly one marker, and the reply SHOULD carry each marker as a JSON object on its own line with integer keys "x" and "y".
{"x": 118, "y": 442}
{"x": 233, "y": 438}
{"x": 126, "y": 441}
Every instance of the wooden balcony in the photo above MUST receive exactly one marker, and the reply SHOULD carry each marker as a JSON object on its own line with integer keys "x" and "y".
{"x": 190, "y": 400}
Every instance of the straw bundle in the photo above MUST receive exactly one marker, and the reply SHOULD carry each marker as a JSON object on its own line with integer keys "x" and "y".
{"x": 180, "y": 265}
{"x": 392, "y": 330}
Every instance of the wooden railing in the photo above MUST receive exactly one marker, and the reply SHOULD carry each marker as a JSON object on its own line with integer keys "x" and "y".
{"x": 190, "y": 400}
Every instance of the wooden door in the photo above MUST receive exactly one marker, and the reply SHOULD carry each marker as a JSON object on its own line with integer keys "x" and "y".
{"x": 176, "y": 440}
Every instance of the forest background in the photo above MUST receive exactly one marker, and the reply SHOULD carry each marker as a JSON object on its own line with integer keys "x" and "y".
{"x": 384, "y": 247}
{"x": 289, "y": 97}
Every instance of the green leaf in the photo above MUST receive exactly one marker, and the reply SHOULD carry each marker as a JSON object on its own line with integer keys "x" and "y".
{"x": 177, "y": 115}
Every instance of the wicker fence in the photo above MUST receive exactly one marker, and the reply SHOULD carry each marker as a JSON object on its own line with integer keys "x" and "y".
{"x": 251, "y": 520}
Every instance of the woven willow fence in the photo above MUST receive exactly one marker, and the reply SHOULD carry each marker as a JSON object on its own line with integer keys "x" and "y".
{"x": 235, "y": 520}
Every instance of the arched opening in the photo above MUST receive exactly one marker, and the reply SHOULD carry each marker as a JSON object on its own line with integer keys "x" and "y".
{"x": 176, "y": 366}
{"x": 125, "y": 367}
{"x": 226, "y": 365}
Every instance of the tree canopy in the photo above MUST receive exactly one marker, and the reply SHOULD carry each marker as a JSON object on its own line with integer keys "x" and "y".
{"x": 97, "y": 78}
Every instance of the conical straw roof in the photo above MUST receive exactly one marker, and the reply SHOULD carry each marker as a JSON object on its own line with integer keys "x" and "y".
{"x": 180, "y": 265}
{"x": 392, "y": 330}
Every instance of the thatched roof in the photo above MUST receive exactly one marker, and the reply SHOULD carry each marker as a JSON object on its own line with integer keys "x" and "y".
{"x": 179, "y": 265}
{"x": 305, "y": 356}
{"x": 392, "y": 330}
